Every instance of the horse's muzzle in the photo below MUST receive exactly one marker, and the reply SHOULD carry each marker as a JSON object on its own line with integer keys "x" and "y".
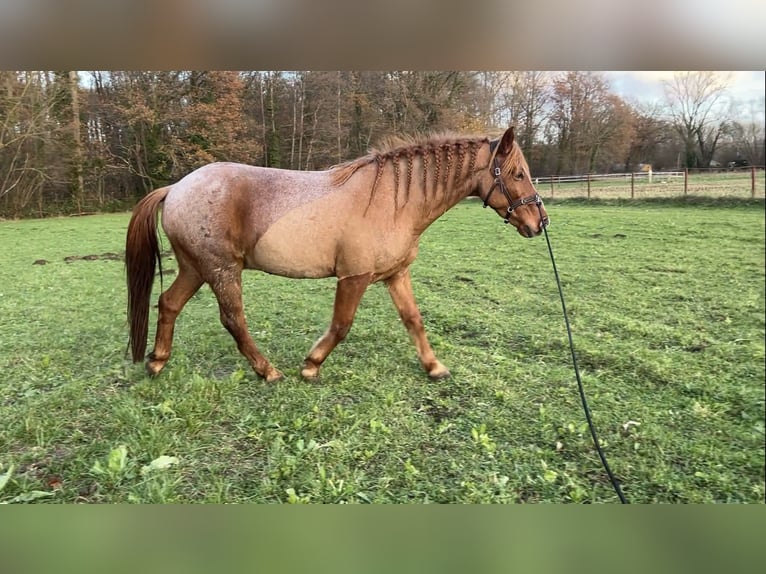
{"x": 533, "y": 231}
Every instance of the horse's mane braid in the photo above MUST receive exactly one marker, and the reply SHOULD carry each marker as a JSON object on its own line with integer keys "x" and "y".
{"x": 381, "y": 162}
{"x": 472, "y": 153}
{"x": 460, "y": 160}
{"x": 438, "y": 153}
{"x": 395, "y": 161}
{"x": 438, "y": 164}
{"x": 449, "y": 149}
{"x": 410, "y": 156}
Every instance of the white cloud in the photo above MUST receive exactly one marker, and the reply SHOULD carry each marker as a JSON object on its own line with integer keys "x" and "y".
{"x": 647, "y": 85}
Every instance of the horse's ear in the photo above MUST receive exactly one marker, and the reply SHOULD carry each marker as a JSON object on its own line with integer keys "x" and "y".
{"x": 506, "y": 143}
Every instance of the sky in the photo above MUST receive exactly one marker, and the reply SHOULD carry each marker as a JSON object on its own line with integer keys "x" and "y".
{"x": 647, "y": 86}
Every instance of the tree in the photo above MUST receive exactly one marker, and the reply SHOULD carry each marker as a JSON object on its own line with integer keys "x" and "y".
{"x": 28, "y": 159}
{"x": 746, "y": 136}
{"x": 420, "y": 102}
{"x": 694, "y": 101}
{"x": 209, "y": 123}
{"x": 527, "y": 104}
{"x": 588, "y": 123}
{"x": 490, "y": 99}
{"x": 78, "y": 185}
{"x": 648, "y": 131}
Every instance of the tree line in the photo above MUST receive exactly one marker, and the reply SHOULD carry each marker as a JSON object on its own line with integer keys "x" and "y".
{"x": 76, "y": 142}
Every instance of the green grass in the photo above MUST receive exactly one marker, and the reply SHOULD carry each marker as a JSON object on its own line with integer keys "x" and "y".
{"x": 666, "y": 302}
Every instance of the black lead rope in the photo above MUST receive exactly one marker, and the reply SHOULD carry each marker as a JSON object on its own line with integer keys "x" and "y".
{"x": 596, "y": 442}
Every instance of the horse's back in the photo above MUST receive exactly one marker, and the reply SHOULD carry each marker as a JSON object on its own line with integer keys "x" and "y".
{"x": 284, "y": 222}
{"x": 231, "y": 205}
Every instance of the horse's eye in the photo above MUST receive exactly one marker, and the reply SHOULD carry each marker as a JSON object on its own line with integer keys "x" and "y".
{"x": 519, "y": 176}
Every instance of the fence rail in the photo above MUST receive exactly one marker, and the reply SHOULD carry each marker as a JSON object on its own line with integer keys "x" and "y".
{"x": 738, "y": 182}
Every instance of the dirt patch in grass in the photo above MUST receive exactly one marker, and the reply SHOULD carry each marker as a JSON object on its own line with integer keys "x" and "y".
{"x": 108, "y": 256}
{"x": 102, "y": 257}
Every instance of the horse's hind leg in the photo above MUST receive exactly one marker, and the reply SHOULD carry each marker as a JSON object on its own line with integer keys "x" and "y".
{"x": 170, "y": 304}
{"x": 348, "y": 294}
{"x": 400, "y": 288}
{"x": 227, "y": 286}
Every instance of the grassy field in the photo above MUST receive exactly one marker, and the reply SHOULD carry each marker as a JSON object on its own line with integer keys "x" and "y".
{"x": 667, "y": 310}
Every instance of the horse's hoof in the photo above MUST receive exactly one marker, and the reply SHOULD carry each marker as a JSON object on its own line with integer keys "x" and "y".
{"x": 310, "y": 372}
{"x": 153, "y": 368}
{"x": 273, "y": 376}
{"x": 439, "y": 372}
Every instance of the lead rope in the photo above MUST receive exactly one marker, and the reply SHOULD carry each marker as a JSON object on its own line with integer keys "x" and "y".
{"x": 585, "y": 407}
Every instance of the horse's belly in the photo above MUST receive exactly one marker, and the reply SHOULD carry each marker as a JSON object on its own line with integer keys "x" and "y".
{"x": 329, "y": 238}
{"x": 293, "y": 251}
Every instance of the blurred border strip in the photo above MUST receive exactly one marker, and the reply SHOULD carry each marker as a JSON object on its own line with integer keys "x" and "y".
{"x": 397, "y": 34}
{"x": 386, "y": 538}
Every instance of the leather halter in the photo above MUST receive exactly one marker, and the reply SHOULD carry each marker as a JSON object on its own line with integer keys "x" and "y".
{"x": 504, "y": 189}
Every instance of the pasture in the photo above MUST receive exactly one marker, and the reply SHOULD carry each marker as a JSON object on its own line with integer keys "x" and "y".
{"x": 666, "y": 301}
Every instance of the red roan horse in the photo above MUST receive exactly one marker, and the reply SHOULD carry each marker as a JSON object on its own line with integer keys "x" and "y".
{"x": 360, "y": 222}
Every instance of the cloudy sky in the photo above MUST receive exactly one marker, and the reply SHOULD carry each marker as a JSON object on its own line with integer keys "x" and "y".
{"x": 744, "y": 87}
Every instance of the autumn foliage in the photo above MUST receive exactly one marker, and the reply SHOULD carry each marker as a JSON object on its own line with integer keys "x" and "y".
{"x": 74, "y": 142}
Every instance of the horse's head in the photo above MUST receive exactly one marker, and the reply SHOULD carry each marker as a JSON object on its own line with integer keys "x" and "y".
{"x": 512, "y": 194}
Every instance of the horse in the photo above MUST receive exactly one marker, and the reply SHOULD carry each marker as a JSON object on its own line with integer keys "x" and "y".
{"x": 359, "y": 221}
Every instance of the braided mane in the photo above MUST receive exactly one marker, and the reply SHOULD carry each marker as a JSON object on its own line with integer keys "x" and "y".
{"x": 442, "y": 157}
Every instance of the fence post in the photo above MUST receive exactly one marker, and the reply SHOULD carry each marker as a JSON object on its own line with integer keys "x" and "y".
{"x": 752, "y": 181}
{"x": 551, "y": 187}
{"x": 588, "y": 185}
{"x": 686, "y": 180}
{"x": 632, "y": 180}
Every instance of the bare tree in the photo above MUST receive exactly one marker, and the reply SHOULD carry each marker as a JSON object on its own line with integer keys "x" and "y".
{"x": 695, "y": 106}
{"x": 747, "y": 135}
{"x": 25, "y": 130}
{"x": 423, "y": 101}
{"x": 78, "y": 185}
{"x": 527, "y": 100}
{"x": 491, "y": 97}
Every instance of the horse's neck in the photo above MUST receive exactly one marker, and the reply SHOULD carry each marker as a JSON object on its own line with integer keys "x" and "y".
{"x": 441, "y": 198}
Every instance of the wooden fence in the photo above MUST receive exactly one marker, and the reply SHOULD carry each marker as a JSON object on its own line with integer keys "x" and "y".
{"x": 739, "y": 182}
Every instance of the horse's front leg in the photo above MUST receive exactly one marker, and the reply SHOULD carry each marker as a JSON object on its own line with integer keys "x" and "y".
{"x": 400, "y": 288}
{"x": 348, "y": 294}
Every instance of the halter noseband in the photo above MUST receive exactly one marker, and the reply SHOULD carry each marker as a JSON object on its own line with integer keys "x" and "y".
{"x": 501, "y": 184}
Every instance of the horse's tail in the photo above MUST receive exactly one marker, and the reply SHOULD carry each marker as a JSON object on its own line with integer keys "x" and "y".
{"x": 142, "y": 253}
